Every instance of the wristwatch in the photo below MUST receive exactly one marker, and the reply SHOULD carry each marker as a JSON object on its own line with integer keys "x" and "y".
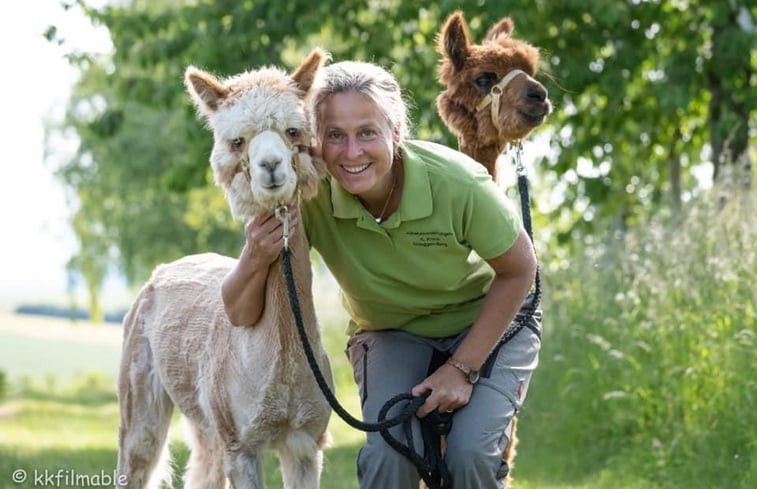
{"x": 471, "y": 374}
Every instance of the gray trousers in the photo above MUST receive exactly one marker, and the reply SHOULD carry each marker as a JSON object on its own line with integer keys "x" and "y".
{"x": 391, "y": 362}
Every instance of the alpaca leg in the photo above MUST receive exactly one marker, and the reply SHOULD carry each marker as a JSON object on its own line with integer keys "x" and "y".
{"x": 301, "y": 462}
{"x": 145, "y": 418}
{"x": 143, "y": 459}
{"x": 508, "y": 456}
{"x": 243, "y": 469}
{"x": 205, "y": 466}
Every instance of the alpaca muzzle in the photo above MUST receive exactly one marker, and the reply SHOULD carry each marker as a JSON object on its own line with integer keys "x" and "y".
{"x": 243, "y": 166}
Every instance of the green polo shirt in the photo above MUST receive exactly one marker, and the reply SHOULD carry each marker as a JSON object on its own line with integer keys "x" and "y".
{"x": 422, "y": 269}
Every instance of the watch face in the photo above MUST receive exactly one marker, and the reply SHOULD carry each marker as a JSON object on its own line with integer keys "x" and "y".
{"x": 473, "y": 376}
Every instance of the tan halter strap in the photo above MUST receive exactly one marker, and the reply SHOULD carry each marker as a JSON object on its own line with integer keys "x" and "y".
{"x": 493, "y": 97}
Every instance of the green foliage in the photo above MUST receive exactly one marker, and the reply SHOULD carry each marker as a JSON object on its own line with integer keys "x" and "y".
{"x": 641, "y": 90}
{"x": 649, "y": 351}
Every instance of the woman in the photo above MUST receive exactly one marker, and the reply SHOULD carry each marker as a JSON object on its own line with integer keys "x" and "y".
{"x": 432, "y": 260}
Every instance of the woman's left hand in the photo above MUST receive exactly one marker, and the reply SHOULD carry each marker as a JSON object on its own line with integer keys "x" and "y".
{"x": 449, "y": 388}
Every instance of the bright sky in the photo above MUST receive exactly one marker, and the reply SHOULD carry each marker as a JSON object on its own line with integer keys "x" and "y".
{"x": 36, "y": 241}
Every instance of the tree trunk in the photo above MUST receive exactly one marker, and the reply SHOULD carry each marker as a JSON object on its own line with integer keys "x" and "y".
{"x": 730, "y": 103}
{"x": 96, "y": 314}
{"x": 674, "y": 173}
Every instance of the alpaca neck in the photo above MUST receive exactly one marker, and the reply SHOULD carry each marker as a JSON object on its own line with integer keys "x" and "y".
{"x": 278, "y": 310}
{"x": 486, "y": 154}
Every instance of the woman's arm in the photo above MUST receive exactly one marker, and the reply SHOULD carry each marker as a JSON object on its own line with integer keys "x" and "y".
{"x": 514, "y": 273}
{"x": 243, "y": 289}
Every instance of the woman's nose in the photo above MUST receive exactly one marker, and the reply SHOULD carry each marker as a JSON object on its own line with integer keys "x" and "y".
{"x": 354, "y": 148}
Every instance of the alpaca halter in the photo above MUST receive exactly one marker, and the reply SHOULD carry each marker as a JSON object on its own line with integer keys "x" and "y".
{"x": 282, "y": 214}
{"x": 493, "y": 97}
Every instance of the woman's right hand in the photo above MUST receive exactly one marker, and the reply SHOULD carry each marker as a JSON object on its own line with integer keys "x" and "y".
{"x": 265, "y": 238}
{"x": 243, "y": 289}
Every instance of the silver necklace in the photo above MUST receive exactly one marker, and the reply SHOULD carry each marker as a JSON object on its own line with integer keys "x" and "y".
{"x": 380, "y": 217}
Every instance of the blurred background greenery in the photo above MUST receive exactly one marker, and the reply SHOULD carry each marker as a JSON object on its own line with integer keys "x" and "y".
{"x": 654, "y": 100}
{"x": 643, "y": 214}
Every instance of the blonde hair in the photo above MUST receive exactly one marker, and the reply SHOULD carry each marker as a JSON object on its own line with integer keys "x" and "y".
{"x": 367, "y": 79}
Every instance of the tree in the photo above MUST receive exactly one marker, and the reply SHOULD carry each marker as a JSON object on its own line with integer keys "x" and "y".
{"x": 643, "y": 90}
{"x": 650, "y": 89}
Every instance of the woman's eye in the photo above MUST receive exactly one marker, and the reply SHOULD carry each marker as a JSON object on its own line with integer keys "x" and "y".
{"x": 336, "y": 136}
{"x": 293, "y": 132}
{"x": 237, "y": 143}
{"x": 367, "y": 133}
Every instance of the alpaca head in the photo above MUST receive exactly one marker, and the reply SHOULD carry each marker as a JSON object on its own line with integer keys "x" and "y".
{"x": 261, "y": 134}
{"x": 473, "y": 72}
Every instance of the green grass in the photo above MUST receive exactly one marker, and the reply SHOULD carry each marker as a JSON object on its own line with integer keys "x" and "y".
{"x": 649, "y": 354}
{"x": 48, "y": 425}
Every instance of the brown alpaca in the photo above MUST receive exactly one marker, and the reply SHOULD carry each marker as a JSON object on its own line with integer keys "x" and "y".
{"x": 491, "y": 101}
{"x": 473, "y": 74}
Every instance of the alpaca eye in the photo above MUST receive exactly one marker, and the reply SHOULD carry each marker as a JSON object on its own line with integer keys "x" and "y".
{"x": 237, "y": 143}
{"x": 485, "y": 81}
{"x": 293, "y": 132}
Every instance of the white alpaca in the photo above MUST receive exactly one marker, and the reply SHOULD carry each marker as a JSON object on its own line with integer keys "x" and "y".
{"x": 240, "y": 389}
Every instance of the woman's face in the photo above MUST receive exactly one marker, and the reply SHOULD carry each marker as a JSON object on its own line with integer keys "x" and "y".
{"x": 357, "y": 145}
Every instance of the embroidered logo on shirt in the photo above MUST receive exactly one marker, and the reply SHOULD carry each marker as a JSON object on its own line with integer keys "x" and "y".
{"x": 430, "y": 238}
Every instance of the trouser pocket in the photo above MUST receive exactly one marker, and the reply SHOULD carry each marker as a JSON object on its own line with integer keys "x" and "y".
{"x": 357, "y": 354}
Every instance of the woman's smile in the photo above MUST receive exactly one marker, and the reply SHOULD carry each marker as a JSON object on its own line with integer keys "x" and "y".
{"x": 355, "y": 169}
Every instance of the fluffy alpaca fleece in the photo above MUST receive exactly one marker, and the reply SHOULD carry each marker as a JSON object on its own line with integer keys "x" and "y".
{"x": 470, "y": 70}
{"x": 239, "y": 389}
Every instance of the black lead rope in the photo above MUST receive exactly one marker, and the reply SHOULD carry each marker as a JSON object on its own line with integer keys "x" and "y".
{"x": 430, "y": 466}
{"x": 531, "y": 304}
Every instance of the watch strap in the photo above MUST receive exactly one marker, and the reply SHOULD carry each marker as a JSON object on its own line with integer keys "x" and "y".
{"x": 459, "y": 365}
{"x": 471, "y": 375}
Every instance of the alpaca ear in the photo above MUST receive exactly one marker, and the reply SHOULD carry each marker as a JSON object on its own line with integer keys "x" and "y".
{"x": 304, "y": 75}
{"x": 454, "y": 42}
{"x": 206, "y": 91}
{"x": 502, "y": 28}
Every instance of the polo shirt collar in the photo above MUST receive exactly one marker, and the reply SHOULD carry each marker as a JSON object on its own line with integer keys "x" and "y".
{"x": 416, "y": 200}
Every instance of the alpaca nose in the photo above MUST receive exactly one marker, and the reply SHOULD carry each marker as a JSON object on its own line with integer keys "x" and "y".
{"x": 271, "y": 163}
{"x": 536, "y": 93}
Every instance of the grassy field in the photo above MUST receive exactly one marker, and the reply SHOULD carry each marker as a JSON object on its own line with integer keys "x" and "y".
{"x": 61, "y": 412}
